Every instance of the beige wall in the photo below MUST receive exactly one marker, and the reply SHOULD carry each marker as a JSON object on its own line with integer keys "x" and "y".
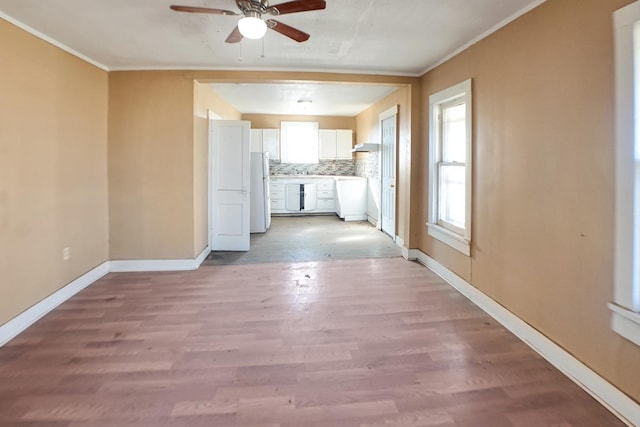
{"x": 543, "y": 178}
{"x": 157, "y": 173}
{"x": 205, "y": 99}
{"x": 151, "y": 165}
{"x": 543, "y": 189}
{"x": 272, "y": 121}
{"x": 53, "y": 169}
{"x": 368, "y": 130}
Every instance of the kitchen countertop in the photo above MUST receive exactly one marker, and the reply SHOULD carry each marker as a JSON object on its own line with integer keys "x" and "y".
{"x": 275, "y": 177}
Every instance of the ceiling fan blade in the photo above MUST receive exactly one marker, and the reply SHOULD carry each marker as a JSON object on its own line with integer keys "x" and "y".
{"x": 296, "y": 6}
{"x": 235, "y": 36}
{"x": 286, "y": 30}
{"x": 194, "y": 9}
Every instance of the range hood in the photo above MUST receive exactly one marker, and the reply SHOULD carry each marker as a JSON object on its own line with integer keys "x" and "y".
{"x": 365, "y": 147}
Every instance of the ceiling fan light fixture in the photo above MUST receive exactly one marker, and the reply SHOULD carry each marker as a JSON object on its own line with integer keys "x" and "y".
{"x": 252, "y": 26}
{"x": 304, "y": 103}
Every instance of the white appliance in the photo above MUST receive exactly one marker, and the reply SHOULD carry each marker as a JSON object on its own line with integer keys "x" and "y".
{"x": 260, "y": 198}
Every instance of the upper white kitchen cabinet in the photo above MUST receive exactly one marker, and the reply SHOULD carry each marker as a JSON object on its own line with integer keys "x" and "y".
{"x": 344, "y": 143}
{"x": 266, "y": 141}
{"x": 271, "y": 142}
{"x": 335, "y": 144}
{"x": 256, "y": 140}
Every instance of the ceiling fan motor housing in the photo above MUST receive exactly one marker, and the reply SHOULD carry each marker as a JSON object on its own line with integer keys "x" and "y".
{"x": 256, "y": 6}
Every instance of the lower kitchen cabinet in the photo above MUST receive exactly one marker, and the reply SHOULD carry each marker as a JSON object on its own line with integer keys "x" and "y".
{"x": 326, "y": 205}
{"x": 326, "y": 196}
{"x": 300, "y": 195}
{"x": 277, "y": 197}
{"x": 351, "y": 200}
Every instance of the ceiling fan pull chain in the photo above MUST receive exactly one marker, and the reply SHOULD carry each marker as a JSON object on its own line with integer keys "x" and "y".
{"x": 240, "y": 56}
{"x": 262, "y": 54}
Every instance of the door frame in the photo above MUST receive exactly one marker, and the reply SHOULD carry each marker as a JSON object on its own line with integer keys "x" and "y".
{"x": 211, "y": 115}
{"x": 391, "y": 112}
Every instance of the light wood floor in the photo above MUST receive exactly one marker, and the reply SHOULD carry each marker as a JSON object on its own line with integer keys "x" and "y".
{"x": 370, "y": 342}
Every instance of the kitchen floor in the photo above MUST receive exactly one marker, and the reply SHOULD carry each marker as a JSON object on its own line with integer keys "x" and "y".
{"x": 311, "y": 238}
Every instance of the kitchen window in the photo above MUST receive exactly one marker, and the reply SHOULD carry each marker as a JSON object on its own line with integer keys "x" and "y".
{"x": 299, "y": 142}
{"x": 450, "y": 166}
{"x": 626, "y": 303}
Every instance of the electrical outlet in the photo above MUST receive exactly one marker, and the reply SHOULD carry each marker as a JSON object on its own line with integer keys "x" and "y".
{"x": 66, "y": 253}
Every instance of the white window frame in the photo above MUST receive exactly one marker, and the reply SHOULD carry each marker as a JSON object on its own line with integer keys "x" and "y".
{"x": 625, "y": 308}
{"x": 286, "y": 144}
{"x": 459, "y": 239}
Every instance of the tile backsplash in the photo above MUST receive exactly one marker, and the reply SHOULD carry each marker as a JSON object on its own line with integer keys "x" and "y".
{"x": 324, "y": 167}
{"x": 368, "y": 166}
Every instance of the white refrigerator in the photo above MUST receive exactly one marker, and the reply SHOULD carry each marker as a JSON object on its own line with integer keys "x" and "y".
{"x": 260, "y": 199}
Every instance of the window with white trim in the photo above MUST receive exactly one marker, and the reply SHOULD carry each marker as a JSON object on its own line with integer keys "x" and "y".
{"x": 299, "y": 142}
{"x": 626, "y": 304}
{"x": 450, "y": 166}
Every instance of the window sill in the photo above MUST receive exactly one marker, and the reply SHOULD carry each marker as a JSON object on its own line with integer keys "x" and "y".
{"x": 450, "y": 238}
{"x": 625, "y": 323}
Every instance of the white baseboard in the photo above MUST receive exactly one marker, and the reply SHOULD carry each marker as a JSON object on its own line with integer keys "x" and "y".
{"x": 373, "y": 221}
{"x": 121, "y": 266}
{"x": 405, "y": 250}
{"x": 15, "y": 326}
{"x": 604, "y": 392}
{"x": 203, "y": 255}
{"x": 355, "y": 217}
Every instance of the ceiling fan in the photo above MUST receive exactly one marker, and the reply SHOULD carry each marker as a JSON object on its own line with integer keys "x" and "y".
{"x": 252, "y": 26}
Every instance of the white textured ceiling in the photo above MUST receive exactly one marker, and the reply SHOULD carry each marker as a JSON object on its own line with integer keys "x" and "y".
{"x": 327, "y": 99}
{"x": 370, "y": 36}
{"x": 393, "y": 37}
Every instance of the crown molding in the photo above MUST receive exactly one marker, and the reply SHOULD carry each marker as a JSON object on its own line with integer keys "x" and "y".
{"x": 52, "y": 41}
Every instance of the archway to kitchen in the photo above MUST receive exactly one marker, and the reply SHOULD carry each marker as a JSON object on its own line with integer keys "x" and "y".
{"x": 324, "y": 224}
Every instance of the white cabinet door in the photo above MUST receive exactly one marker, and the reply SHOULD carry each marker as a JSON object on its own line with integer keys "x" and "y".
{"x": 271, "y": 143}
{"x": 292, "y": 197}
{"x": 256, "y": 140}
{"x": 327, "y": 144}
{"x": 336, "y": 144}
{"x": 310, "y": 197}
{"x": 351, "y": 200}
{"x": 344, "y": 144}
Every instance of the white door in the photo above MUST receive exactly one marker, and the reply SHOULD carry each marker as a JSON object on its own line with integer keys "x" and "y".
{"x": 388, "y": 172}
{"x": 229, "y": 160}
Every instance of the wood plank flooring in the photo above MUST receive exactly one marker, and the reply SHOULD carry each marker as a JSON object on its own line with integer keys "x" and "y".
{"x": 370, "y": 342}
